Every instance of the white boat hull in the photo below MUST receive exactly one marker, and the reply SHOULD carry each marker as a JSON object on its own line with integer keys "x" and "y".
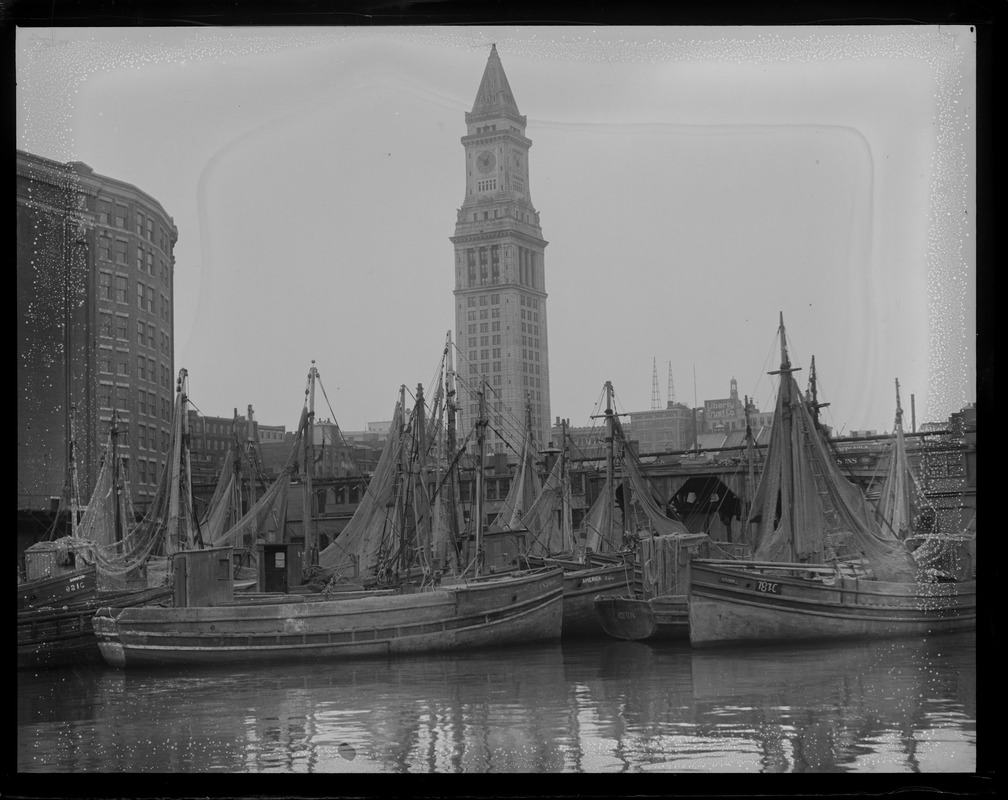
{"x": 731, "y": 603}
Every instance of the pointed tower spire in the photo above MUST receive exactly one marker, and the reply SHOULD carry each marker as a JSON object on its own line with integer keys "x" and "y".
{"x": 494, "y": 97}
{"x": 671, "y": 387}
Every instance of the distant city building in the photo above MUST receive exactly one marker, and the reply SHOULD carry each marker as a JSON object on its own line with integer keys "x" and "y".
{"x": 211, "y": 438}
{"x": 727, "y": 414}
{"x": 663, "y": 430}
{"x": 95, "y": 289}
{"x": 271, "y": 433}
{"x": 500, "y": 289}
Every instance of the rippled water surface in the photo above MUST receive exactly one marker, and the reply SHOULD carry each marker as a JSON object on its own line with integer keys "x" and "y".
{"x": 899, "y": 706}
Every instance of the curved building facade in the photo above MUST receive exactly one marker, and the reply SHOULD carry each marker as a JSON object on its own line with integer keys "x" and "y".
{"x": 95, "y": 289}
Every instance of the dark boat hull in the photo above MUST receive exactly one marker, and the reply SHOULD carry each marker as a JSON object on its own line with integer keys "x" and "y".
{"x": 735, "y": 603}
{"x": 71, "y": 587}
{"x": 492, "y": 611}
{"x": 581, "y": 585}
{"x": 64, "y": 636}
{"x": 636, "y": 620}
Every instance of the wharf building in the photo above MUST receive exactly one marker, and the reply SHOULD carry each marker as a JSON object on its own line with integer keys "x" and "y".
{"x": 95, "y": 289}
{"x": 500, "y": 289}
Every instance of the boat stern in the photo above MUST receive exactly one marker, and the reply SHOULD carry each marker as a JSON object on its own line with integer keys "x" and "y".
{"x": 107, "y": 632}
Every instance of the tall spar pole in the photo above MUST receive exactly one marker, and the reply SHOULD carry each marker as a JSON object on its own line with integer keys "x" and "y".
{"x": 481, "y": 424}
{"x": 309, "y": 466}
{"x": 450, "y": 407}
{"x": 610, "y": 479}
{"x": 565, "y": 498}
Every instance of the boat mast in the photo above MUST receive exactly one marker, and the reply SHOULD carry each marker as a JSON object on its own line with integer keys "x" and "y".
{"x": 116, "y": 490}
{"x": 421, "y": 543}
{"x": 610, "y": 484}
{"x": 74, "y": 487}
{"x": 481, "y": 424}
{"x": 786, "y": 399}
{"x": 566, "y": 528}
{"x": 401, "y": 483}
{"x": 751, "y": 467}
{"x": 814, "y": 396}
{"x": 450, "y": 407}
{"x": 309, "y": 466}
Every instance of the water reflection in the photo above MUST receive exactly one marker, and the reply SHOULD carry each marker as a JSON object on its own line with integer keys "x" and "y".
{"x": 900, "y": 706}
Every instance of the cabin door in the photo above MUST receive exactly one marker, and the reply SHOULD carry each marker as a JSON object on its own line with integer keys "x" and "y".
{"x": 275, "y": 575}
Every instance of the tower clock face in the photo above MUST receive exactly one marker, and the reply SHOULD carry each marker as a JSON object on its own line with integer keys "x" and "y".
{"x": 485, "y": 161}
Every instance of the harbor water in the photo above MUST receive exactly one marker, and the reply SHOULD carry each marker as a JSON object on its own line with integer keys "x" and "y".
{"x": 894, "y": 706}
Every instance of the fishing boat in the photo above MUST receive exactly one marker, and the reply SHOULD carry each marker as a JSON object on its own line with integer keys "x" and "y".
{"x": 823, "y": 566}
{"x": 943, "y": 543}
{"x": 415, "y": 607}
{"x": 652, "y": 603}
{"x": 541, "y": 514}
{"x": 83, "y": 571}
{"x": 62, "y": 635}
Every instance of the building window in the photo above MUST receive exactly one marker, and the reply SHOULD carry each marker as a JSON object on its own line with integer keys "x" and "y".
{"x": 141, "y": 368}
{"x": 139, "y": 223}
{"x": 122, "y": 287}
{"x": 105, "y": 361}
{"x": 122, "y": 328}
{"x": 150, "y": 229}
{"x": 120, "y": 216}
{"x": 105, "y": 324}
{"x": 150, "y": 336}
{"x": 105, "y": 212}
{"x": 141, "y": 332}
{"x": 104, "y": 248}
{"x": 120, "y": 251}
{"x": 140, "y": 295}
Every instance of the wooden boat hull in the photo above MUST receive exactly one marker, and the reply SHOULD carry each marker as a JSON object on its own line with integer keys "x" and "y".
{"x": 658, "y": 618}
{"x": 492, "y": 611}
{"x": 731, "y": 603}
{"x": 59, "y": 637}
{"x": 58, "y": 590}
{"x": 581, "y": 587}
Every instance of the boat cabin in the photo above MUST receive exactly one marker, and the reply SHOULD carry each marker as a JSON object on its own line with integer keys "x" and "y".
{"x": 203, "y": 577}
{"x": 280, "y": 566}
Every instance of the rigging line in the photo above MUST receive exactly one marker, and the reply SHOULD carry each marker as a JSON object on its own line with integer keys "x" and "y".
{"x": 360, "y": 472}
{"x": 460, "y": 451}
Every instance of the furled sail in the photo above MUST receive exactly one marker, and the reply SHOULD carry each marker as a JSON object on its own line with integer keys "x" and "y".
{"x": 644, "y": 494}
{"x": 264, "y": 521}
{"x": 899, "y": 500}
{"x": 548, "y": 518}
{"x": 525, "y": 488}
{"x": 373, "y": 522}
{"x": 807, "y": 511}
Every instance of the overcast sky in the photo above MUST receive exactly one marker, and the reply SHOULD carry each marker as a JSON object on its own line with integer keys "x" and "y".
{"x": 692, "y": 183}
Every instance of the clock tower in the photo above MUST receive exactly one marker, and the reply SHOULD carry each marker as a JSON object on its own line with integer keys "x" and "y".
{"x": 500, "y": 290}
